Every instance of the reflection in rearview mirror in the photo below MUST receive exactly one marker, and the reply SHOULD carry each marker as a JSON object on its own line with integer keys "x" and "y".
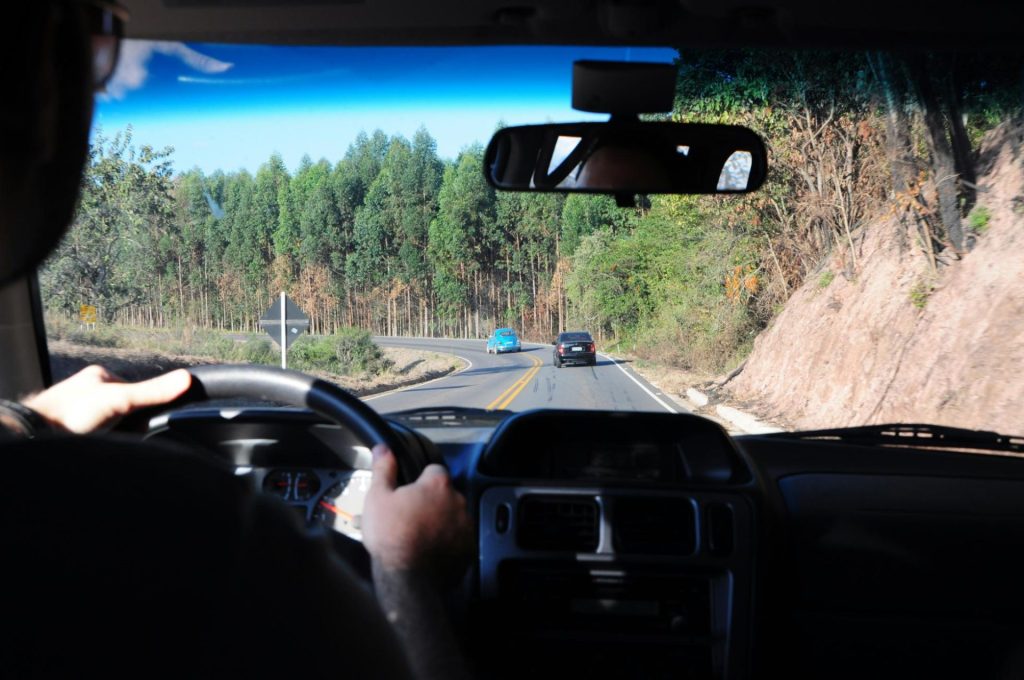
{"x": 736, "y": 172}
{"x": 627, "y": 158}
{"x": 564, "y": 146}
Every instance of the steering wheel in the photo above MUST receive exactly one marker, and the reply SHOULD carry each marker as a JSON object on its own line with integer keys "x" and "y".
{"x": 266, "y": 383}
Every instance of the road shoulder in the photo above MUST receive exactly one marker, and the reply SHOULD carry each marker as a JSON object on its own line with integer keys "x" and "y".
{"x": 694, "y": 390}
{"x": 665, "y": 399}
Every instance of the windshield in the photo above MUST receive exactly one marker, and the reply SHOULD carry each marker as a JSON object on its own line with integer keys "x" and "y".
{"x": 333, "y": 201}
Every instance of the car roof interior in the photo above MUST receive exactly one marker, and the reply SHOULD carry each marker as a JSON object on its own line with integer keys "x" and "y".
{"x": 709, "y": 23}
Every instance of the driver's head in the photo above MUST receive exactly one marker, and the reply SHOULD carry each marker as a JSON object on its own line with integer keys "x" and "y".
{"x": 617, "y": 166}
{"x": 55, "y": 55}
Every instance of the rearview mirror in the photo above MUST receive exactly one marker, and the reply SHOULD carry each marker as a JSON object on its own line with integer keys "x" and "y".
{"x": 627, "y": 158}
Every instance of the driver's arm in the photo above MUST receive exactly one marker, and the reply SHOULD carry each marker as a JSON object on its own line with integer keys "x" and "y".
{"x": 420, "y": 537}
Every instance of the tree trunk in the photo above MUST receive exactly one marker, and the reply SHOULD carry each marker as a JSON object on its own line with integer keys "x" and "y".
{"x": 963, "y": 158}
{"x": 942, "y": 162}
{"x": 897, "y": 126}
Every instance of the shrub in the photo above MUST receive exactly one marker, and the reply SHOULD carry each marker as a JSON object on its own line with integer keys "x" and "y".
{"x": 350, "y": 350}
{"x": 57, "y": 327}
{"x": 308, "y": 353}
{"x": 258, "y": 351}
{"x": 920, "y": 293}
{"x": 978, "y": 219}
{"x": 210, "y": 344}
{"x": 96, "y": 337}
{"x": 826, "y": 279}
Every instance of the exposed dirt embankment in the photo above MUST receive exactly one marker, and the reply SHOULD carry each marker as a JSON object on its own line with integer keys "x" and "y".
{"x": 901, "y": 342}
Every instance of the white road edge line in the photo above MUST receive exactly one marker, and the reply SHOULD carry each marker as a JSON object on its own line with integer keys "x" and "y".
{"x": 639, "y": 384}
{"x": 469, "y": 365}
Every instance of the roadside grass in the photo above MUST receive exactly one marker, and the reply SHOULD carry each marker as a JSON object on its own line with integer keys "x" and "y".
{"x": 350, "y": 351}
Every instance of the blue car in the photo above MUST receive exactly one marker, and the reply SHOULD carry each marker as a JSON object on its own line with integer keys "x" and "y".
{"x": 503, "y": 340}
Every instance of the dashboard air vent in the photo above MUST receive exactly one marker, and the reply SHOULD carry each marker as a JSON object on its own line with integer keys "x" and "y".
{"x": 558, "y": 523}
{"x": 653, "y": 526}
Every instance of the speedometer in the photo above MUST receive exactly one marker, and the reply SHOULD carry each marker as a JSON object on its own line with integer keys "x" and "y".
{"x": 341, "y": 506}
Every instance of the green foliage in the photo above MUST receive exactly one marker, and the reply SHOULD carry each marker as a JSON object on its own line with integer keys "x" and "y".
{"x": 826, "y": 279}
{"x": 349, "y": 351}
{"x": 123, "y": 236}
{"x": 660, "y": 286}
{"x": 584, "y": 214}
{"x": 978, "y": 219}
{"x": 920, "y": 293}
{"x": 462, "y": 232}
{"x": 989, "y": 89}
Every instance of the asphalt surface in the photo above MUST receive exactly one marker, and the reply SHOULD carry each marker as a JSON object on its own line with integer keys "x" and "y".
{"x": 523, "y": 380}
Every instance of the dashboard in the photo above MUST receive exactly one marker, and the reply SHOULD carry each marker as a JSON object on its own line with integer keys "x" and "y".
{"x": 655, "y": 545}
{"x": 329, "y": 498}
{"x": 317, "y": 468}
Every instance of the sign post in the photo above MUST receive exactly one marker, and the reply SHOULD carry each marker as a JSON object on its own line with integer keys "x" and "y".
{"x": 283, "y": 341}
{"x": 284, "y": 322}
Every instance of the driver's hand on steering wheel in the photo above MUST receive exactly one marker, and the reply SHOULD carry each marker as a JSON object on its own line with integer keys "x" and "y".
{"x": 94, "y": 398}
{"x": 420, "y": 527}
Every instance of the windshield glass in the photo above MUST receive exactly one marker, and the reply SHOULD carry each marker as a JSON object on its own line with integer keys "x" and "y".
{"x": 874, "y": 278}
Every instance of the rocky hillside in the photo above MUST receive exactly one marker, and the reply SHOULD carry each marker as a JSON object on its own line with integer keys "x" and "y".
{"x": 896, "y": 339}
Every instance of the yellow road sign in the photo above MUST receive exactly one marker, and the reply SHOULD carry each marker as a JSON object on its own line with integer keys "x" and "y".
{"x": 87, "y": 313}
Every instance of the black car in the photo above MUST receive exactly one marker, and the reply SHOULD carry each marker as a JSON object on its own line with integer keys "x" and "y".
{"x": 576, "y": 347}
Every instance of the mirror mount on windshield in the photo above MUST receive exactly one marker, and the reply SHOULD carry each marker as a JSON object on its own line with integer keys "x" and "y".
{"x": 623, "y": 89}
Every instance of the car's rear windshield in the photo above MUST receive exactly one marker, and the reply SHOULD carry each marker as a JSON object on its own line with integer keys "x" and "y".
{"x": 575, "y": 337}
{"x": 505, "y": 334}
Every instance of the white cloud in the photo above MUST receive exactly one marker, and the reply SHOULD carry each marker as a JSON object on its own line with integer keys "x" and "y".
{"x": 270, "y": 80}
{"x": 133, "y": 64}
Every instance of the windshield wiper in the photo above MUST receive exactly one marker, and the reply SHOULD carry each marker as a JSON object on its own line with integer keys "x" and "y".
{"x": 913, "y": 435}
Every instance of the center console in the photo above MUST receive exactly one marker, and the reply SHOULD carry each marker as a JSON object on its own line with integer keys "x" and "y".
{"x": 627, "y": 552}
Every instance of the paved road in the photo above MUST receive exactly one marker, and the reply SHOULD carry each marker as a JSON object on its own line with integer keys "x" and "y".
{"x": 522, "y": 381}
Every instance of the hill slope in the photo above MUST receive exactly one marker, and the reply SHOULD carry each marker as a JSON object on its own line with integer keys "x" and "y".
{"x": 899, "y": 341}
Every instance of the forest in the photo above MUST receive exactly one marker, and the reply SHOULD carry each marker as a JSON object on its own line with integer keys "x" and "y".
{"x": 396, "y": 240}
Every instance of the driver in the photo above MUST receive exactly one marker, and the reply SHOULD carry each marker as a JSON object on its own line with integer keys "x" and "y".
{"x": 619, "y": 166}
{"x": 117, "y": 561}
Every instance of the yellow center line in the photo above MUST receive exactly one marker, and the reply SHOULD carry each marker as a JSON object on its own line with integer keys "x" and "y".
{"x": 513, "y": 390}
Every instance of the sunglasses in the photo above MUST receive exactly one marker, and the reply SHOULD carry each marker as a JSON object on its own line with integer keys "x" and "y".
{"x": 106, "y": 22}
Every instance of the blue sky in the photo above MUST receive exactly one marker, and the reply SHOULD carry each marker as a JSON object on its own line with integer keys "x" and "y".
{"x": 230, "y": 106}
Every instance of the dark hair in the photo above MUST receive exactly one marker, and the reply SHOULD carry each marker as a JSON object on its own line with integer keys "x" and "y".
{"x": 45, "y": 49}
